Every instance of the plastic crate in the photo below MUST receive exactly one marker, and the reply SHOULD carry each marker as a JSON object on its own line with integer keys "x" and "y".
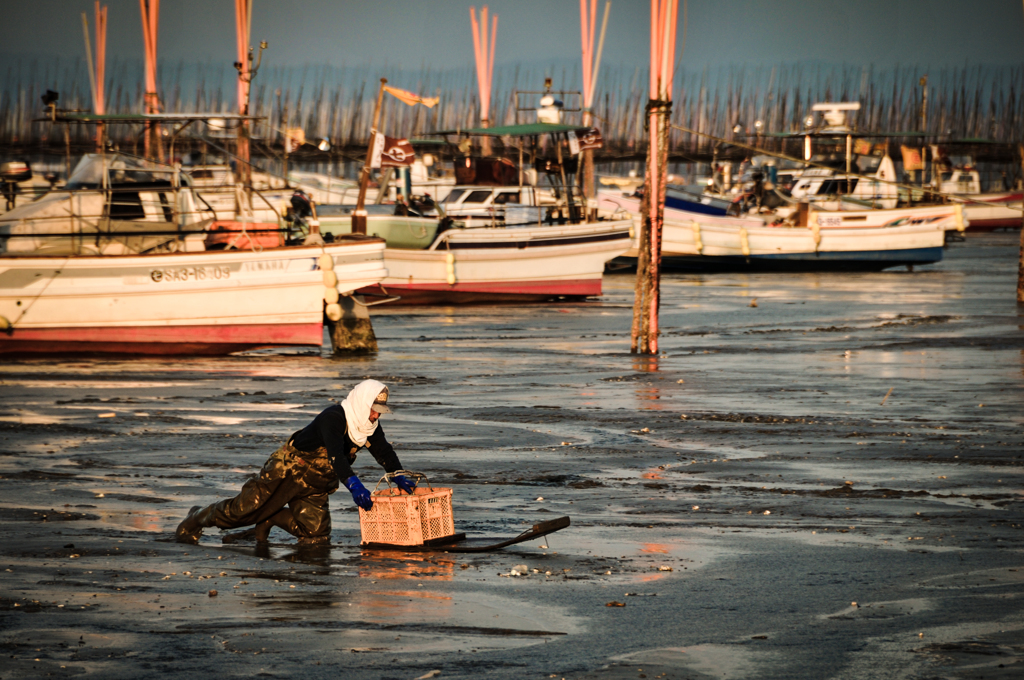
{"x": 398, "y": 518}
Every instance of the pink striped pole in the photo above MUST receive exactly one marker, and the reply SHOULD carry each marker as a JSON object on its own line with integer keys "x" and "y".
{"x": 243, "y": 23}
{"x": 483, "y": 54}
{"x": 99, "y": 106}
{"x": 150, "y": 10}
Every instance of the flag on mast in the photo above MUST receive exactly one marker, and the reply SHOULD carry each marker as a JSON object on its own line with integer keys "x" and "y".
{"x": 389, "y": 152}
{"x": 410, "y": 98}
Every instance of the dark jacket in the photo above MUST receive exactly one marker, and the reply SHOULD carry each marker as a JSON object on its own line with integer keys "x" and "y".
{"x": 329, "y": 430}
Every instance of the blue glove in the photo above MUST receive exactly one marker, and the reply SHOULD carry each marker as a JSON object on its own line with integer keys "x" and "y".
{"x": 359, "y": 493}
{"x": 404, "y": 483}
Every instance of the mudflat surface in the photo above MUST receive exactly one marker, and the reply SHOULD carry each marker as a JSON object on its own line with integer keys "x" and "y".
{"x": 747, "y": 495}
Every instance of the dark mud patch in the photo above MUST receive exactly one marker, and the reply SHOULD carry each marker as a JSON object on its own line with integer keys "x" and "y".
{"x": 53, "y": 429}
{"x": 136, "y": 498}
{"x": 914, "y": 320}
{"x": 27, "y": 515}
{"x": 754, "y": 418}
{"x": 570, "y": 481}
{"x": 633, "y": 377}
{"x": 39, "y": 475}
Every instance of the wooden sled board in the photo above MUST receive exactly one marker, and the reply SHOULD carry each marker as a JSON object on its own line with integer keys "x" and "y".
{"x": 458, "y": 543}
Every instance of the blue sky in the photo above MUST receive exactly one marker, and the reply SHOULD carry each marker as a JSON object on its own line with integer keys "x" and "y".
{"x": 416, "y": 33}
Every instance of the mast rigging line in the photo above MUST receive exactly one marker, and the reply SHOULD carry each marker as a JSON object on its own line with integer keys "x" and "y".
{"x": 812, "y": 164}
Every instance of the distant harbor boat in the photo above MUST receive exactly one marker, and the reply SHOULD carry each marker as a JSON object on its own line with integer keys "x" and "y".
{"x": 810, "y": 240}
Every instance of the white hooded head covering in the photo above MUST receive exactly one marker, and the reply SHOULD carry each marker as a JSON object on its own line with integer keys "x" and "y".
{"x": 357, "y": 410}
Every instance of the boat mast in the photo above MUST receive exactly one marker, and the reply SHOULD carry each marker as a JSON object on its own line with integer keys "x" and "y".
{"x": 359, "y": 216}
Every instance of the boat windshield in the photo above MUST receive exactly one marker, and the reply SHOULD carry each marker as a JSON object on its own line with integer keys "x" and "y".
{"x": 868, "y": 164}
{"x": 88, "y": 174}
{"x": 454, "y": 195}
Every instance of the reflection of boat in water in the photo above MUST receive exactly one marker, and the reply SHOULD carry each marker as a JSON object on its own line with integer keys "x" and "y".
{"x": 122, "y": 260}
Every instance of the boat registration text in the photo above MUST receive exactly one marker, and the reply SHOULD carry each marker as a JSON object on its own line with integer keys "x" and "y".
{"x": 190, "y": 273}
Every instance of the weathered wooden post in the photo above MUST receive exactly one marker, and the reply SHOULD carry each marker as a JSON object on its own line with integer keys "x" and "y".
{"x": 648, "y": 273}
{"x": 1020, "y": 262}
{"x": 359, "y": 215}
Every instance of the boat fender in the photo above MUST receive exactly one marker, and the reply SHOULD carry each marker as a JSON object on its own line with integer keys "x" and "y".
{"x": 449, "y": 259}
{"x": 333, "y": 311}
{"x": 331, "y": 295}
{"x": 325, "y": 262}
{"x": 6, "y": 326}
{"x": 812, "y": 223}
{"x": 697, "y": 243}
{"x": 961, "y": 224}
{"x": 744, "y": 242}
{"x": 330, "y": 279}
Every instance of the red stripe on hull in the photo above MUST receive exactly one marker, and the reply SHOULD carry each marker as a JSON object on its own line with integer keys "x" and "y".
{"x": 489, "y": 291}
{"x": 210, "y": 339}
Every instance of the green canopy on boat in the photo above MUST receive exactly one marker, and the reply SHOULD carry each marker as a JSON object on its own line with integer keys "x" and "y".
{"x": 525, "y": 130}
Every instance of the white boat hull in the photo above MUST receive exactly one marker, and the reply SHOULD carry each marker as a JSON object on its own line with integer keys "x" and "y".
{"x": 869, "y": 239}
{"x": 507, "y": 264}
{"x": 209, "y": 302}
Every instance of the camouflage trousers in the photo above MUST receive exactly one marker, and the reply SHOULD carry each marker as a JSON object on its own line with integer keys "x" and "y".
{"x": 299, "y": 480}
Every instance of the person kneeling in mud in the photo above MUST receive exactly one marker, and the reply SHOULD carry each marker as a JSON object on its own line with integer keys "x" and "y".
{"x": 292, "y": 488}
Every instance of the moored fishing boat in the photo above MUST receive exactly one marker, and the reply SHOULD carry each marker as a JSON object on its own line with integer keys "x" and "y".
{"x": 808, "y": 239}
{"x": 506, "y": 237}
{"x": 121, "y": 260}
{"x": 428, "y": 263}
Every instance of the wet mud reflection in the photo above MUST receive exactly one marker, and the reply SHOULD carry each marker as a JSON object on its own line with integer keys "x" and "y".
{"x": 735, "y": 493}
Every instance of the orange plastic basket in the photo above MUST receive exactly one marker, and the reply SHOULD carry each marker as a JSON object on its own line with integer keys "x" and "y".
{"x": 398, "y": 518}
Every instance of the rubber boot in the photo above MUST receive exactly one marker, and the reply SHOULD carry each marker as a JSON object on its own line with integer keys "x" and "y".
{"x": 240, "y": 536}
{"x": 190, "y": 529}
{"x": 284, "y": 519}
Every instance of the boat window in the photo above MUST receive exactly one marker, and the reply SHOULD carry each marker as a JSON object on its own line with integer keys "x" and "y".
{"x": 126, "y": 205}
{"x": 87, "y": 174}
{"x": 946, "y": 176}
{"x": 454, "y": 195}
{"x": 202, "y": 174}
{"x": 507, "y": 197}
{"x": 166, "y": 205}
{"x": 479, "y": 196}
{"x": 868, "y": 163}
{"x": 836, "y": 186}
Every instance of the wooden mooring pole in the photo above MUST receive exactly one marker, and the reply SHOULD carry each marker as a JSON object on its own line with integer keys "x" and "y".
{"x": 359, "y": 215}
{"x": 647, "y": 302}
{"x": 1020, "y": 262}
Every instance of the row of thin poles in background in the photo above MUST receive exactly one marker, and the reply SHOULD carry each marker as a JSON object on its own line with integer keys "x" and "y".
{"x": 969, "y": 102}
